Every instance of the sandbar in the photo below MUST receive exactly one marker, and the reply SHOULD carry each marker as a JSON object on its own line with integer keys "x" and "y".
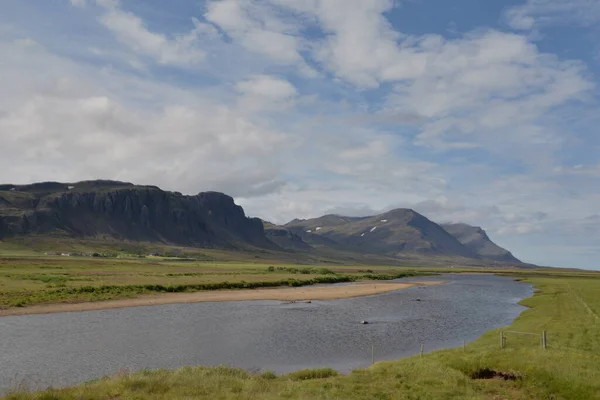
{"x": 304, "y": 293}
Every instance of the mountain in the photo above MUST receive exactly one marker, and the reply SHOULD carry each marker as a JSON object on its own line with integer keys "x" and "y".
{"x": 122, "y": 210}
{"x": 285, "y": 238}
{"x": 116, "y": 211}
{"x": 477, "y": 240}
{"x": 392, "y": 233}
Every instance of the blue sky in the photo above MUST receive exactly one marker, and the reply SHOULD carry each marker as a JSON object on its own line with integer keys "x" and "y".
{"x": 470, "y": 111}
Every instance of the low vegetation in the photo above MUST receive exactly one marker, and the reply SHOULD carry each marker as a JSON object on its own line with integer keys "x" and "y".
{"x": 566, "y": 306}
{"x": 304, "y": 270}
{"x": 104, "y": 292}
{"x": 27, "y": 279}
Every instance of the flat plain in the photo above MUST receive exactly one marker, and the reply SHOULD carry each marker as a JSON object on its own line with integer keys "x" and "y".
{"x": 36, "y": 278}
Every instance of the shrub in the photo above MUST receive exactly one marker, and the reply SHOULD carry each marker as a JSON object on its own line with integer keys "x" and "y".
{"x": 268, "y": 375}
{"x": 318, "y": 373}
{"x": 325, "y": 271}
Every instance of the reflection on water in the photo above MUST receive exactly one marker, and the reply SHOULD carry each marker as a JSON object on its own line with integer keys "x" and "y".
{"x": 67, "y": 348}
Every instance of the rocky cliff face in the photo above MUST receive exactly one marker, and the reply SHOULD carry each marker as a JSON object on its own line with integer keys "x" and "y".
{"x": 126, "y": 211}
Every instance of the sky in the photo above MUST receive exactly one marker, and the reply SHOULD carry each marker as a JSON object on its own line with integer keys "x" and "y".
{"x": 483, "y": 112}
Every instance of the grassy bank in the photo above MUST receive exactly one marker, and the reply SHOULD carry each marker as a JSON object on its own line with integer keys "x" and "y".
{"x": 103, "y": 292}
{"x": 27, "y": 281}
{"x": 566, "y": 307}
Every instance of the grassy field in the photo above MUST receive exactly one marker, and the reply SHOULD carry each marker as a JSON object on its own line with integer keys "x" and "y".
{"x": 30, "y": 279}
{"x": 29, "y": 275}
{"x": 567, "y": 307}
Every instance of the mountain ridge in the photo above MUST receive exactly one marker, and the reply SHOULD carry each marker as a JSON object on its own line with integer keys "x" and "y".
{"x": 399, "y": 230}
{"x": 427, "y": 237}
{"x": 125, "y": 211}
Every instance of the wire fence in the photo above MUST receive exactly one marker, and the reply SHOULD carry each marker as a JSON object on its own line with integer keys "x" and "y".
{"x": 509, "y": 339}
{"x": 542, "y": 336}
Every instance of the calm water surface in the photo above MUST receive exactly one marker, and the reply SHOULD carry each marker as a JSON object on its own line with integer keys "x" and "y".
{"x": 67, "y": 348}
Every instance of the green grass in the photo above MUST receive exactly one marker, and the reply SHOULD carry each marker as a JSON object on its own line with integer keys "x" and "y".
{"x": 98, "y": 293}
{"x": 27, "y": 280}
{"x": 567, "y": 307}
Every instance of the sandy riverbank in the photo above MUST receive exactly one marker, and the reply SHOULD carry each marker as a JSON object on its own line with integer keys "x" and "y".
{"x": 318, "y": 292}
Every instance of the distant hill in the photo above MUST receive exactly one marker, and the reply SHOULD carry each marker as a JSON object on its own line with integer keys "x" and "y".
{"x": 477, "y": 240}
{"x": 125, "y": 211}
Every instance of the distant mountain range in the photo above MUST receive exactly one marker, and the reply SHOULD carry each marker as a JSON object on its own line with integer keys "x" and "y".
{"x": 123, "y": 211}
{"x": 393, "y": 233}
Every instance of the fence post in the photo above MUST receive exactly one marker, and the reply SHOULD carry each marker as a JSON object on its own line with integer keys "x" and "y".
{"x": 542, "y": 339}
{"x": 421, "y": 350}
{"x": 544, "y": 343}
{"x": 501, "y": 339}
{"x": 372, "y": 354}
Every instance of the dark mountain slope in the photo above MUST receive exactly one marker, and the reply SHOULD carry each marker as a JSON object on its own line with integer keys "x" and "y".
{"x": 477, "y": 240}
{"x": 285, "y": 238}
{"x": 400, "y": 230}
{"x": 125, "y": 211}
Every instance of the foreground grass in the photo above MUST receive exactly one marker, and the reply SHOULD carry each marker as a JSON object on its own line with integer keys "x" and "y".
{"x": 567, "y": 307}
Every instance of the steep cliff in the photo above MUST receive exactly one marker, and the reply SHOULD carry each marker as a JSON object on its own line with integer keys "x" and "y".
{"x": 125, "y": 211}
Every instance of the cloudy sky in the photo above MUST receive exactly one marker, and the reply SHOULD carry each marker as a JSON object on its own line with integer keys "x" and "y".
{"x": 484, "y": 112}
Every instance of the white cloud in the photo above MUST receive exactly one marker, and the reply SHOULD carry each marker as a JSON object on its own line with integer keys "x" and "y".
{"x": 79, "y": 3}
{"x": 267, "y": 86}
{"x": 519, "y": 229}
{"x": 360, "y": 45}
{"x": 25, "y": 42}
{"x": 181, "y": 50}
{"x": 480, "y": 87}
{"x": 93, "y": 124}
{"x": 368, "y": 158}
{"x": 277, "y": 46}
{"x": 259, "y": 29}
{"x": 446, "y": 210}
{"x": 589, "y": 171}
{"x": 369, "y": 151}
{"x": 470, "y": 90}
{"x": 264, "y": 91}
{"x": 535, "y": 13}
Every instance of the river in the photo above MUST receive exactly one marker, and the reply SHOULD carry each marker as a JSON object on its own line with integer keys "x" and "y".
{"x": 67, "y": 348}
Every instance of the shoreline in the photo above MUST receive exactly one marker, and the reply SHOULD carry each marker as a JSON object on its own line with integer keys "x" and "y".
{"x": 304, "y": 293}
{"x": 442, "y": 368}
